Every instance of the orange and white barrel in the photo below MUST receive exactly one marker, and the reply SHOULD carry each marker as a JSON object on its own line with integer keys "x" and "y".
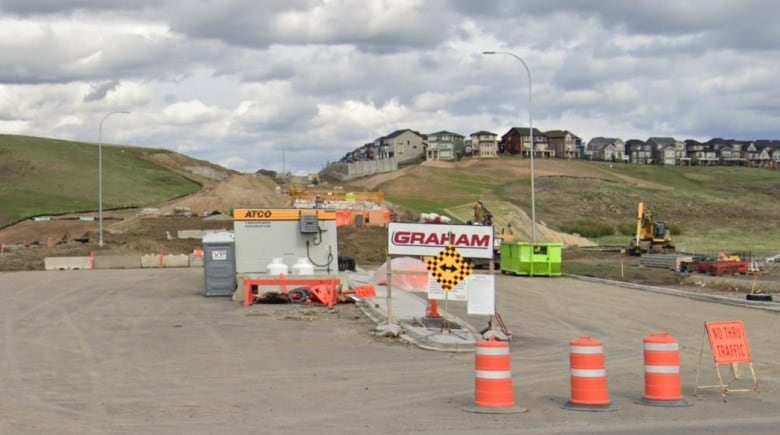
{"x": 493, "y": 387}
{"x": 663, "y": 385}
{"x": 589, "y": 390}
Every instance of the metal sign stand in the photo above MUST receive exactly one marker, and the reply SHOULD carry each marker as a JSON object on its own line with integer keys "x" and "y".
{"x": 724, "y": 386}
{"x": 390, "y": 328}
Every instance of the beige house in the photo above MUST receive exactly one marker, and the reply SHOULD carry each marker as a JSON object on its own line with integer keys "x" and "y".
{"x": 403, "y": 145}
{"x": 565, "y": 144}
{"x": 484, "y": 144}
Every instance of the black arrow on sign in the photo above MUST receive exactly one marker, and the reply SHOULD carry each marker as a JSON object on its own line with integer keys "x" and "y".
{"x": 448, "y": 268}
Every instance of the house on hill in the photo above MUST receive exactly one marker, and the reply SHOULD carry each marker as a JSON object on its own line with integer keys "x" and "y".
{"x": 403, "y": 145}
{"x": 484, "y": 144}
{"x": 607, "y": 149}
{"x": 517, "y": 141}
{"x": 638, "y": 152}
{"x": 564, "y": 144}
{"x": 441, "y": 145}
{"x": 667, "y": 151}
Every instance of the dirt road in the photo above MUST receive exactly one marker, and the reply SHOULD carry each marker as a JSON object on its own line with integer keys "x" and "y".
{"x": 142, "y": 351}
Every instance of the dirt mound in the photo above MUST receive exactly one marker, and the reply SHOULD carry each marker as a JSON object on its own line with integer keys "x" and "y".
{"x": 510, "y": 218}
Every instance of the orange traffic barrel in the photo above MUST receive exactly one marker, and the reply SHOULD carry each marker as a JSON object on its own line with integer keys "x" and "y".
{"x": 663, "y": 386}
{"x": 588, "y": 376}
{"x": 493, "y": 388}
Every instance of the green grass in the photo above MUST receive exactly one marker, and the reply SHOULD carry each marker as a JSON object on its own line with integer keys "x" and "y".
{"x": 714, "y": 208}
{"x": 41, "y": 176}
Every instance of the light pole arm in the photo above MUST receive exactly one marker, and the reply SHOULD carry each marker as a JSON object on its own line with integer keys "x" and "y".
{"x": 531, "y": 137}
{"x": 100, "y": 176}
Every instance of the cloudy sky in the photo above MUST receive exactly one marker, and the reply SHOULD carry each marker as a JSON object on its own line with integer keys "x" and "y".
{"x": 292, "y": 84}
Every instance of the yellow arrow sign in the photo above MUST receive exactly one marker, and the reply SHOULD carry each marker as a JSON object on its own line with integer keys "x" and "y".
{"x": 449, "y": 268}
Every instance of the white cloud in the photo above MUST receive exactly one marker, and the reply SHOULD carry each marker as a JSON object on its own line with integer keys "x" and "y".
{"x": 249, "y": 84}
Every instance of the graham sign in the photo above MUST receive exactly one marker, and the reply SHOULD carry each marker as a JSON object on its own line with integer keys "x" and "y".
{"x": 472, "y": 241}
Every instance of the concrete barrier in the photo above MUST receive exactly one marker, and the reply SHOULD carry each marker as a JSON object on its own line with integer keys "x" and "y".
{"x": 196, "y": 260}
{"x": 150, "y": 260}
{"x": 66, "y": 263}
{"x": 117, "y": 262}
{"x": 180, "y": 260}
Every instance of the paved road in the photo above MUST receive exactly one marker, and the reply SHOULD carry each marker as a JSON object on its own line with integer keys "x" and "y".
{"x": 142, "y": 351}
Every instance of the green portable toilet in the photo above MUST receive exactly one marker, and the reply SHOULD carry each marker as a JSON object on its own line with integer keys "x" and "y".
{"x": 526, "y": 259}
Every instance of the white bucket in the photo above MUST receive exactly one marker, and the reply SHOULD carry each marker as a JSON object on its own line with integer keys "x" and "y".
{"x": 303, "y": 267}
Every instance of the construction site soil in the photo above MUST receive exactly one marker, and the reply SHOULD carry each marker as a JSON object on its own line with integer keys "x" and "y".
{"x": 139, "y": 232}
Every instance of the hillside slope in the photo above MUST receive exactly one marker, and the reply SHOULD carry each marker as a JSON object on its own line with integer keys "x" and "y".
{"x": 48, "y": 176}
{"x": 711, "y": 208}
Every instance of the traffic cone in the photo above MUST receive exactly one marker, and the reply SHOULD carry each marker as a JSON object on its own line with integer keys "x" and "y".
{"x": 432, "y": 309}
{"x": 588, "y": 377}
{"x": 493, "y": 389}
{"x": 663, "y": 386}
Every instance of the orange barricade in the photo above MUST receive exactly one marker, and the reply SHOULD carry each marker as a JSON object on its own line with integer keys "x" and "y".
{"x": 493, "y": 389}
{"x": 588, "y": 376}
{"x": 662, "y": 372}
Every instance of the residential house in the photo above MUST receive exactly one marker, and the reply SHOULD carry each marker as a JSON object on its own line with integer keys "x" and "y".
{"x": 767, "y": 153}
{"x": 517, "y": 141}
{"x": 701, "y": 154}
{"x": 728, "y": 151}
{"x": 403, "y": 145}
{"x": 667, "y": 151}
{"x": 484, "y": 144}
{"x": 565, "y": 144}
{"x": 639, "y": 152}
{"x": 441, "y": 145}
{"x": 607, "y": 149}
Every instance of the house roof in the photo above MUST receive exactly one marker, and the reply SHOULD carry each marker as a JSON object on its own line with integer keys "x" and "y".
{"x": 444, "y": 133}
{"x": 483, "y": 133}
{"x": 560, "y": 133}
{"x": 400, "y": 132}
{"x": 661, "y": 141}
{"x": 598, "y": 143}
{"x": 524, "y": 131}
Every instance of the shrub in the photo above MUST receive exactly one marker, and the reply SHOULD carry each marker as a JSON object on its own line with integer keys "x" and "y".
{"x": 675, "y": 229}
{"x": 590, "y": 229}
{"x": 626, "y": 229}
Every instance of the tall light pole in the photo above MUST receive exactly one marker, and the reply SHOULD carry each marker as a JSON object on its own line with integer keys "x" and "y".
{"x": 531, "y": 133}
{"x": 100, "y": 176}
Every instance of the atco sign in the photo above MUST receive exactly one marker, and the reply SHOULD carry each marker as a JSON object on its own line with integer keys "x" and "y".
{"x": 472, "y": 241}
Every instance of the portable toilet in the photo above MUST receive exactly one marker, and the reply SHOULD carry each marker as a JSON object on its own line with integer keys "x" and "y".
{"x": 219, "y": 263}
{"x": 539, "y": 259}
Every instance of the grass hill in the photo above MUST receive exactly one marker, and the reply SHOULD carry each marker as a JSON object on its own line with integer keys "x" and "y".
{"x": 41, "y": 176}
{"x": 710, "y": 208}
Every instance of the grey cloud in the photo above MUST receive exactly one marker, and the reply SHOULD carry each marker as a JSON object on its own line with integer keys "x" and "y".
{"x": 46, "y": 7}
{"x": 99, "y": 92}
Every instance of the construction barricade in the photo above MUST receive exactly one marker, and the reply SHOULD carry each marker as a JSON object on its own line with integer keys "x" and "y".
{"x": 588, "y": 376}
{"x": 493, "y": 388}
{"x": 663, "y": 386}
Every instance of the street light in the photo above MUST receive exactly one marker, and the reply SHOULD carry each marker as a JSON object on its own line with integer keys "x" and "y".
{"x": 100, "y": 176}
{"x": 531, "y": 133}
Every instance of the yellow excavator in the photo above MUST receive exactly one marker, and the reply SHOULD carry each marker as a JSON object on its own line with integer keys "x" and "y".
{"x": 652, "y": 237}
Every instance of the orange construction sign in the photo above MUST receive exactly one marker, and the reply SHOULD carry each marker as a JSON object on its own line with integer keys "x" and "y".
{"x": 728, "y": 342}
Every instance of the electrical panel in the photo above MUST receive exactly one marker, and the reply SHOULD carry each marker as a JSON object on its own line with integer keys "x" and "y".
{"x": 309, "y": 224}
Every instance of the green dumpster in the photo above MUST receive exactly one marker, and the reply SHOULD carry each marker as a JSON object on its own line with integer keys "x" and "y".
{"x": 540, "y": 259}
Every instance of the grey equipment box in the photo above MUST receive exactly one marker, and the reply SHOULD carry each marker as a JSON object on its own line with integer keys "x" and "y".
{"x": 219, "y": 263}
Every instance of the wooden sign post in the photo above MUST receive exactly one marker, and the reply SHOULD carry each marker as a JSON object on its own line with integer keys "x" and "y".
{"x": 729, "y": 345}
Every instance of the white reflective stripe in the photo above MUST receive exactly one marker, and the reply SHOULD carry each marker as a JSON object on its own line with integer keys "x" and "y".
{"x": 662, "y": 369}
{"x": 497, "y": 374}
{"x": 588, "y": 373}
{"x": 492, "y": 350}
{"x": 662, "y": 346}
{"x": 587, "y": 350}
